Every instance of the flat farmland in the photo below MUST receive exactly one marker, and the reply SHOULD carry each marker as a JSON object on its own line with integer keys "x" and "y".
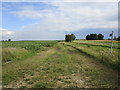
{"x": 59, "y": 64}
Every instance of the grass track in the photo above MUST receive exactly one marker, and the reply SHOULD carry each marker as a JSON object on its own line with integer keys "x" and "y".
{"x": 100, "y": 54}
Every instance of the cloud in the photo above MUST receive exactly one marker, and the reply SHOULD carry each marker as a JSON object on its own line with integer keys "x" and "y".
{"x": 66, "y": 16}
{"x": 72, "y": 16}
{"x": 28, "y": 14}
{"x": 5, "y": 33}
{"x": 33, "y": 13}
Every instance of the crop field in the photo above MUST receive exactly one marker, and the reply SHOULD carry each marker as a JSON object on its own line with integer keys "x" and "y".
{"x": 59, "y": 64}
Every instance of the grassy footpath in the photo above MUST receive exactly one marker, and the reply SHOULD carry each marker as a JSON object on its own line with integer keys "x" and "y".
{"x": 59, "y": 67}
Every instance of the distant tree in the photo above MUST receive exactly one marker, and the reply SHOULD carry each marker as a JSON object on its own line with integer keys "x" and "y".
{"x": 100, "y": 36}
{"x": 115, "y": 38}
{"x": 73, "y": 36}
{"x": 88, "y": 37}
{"x": 9, "y": 40}
{"x": 69, "y": 38}
{"x": 118, "y": 39}
{"x": 93, "y": 37}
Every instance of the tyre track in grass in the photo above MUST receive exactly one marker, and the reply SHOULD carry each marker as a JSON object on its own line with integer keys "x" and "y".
{"x": 93, "y": 73}
{"x": 105, "y": 60}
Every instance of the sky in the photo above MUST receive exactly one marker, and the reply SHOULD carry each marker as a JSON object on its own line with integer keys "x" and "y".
{"x": 52, "y": 20}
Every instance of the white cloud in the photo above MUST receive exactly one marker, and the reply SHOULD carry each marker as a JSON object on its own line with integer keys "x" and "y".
{"x": 31, "y": 12}
{"x": 73, "y": 16}
{"x": 28, "y": 14}
{"x": 68, "y": 16}
{"x": 5, "y": 33}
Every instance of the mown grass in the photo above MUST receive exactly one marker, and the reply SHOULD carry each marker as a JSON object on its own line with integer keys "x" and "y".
{"x": 14, "y": 70}
{"x": 99, "y": 43}
{"x": 67, "y": 66}
{"x": 99, "y": 53}
{"x": 59, "y": 67}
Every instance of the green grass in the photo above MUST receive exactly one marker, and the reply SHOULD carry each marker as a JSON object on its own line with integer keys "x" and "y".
{"x": 28, "y": 44}
{"x": 11, "y": 54}
{"x": 18, "y": 50}
{"x": 101, "y": 54}
{"x": 99, "y": 43}
{"x": 40, "y": 85}
{"x": 64, "y": 65}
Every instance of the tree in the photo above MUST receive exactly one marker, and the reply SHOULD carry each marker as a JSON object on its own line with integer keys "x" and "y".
{"x": 88, "y": 37}
{"x": 69, "y": 38}
{"x": 9, "y": 40}
{"x": 100, "y": 36}
{"x": 73, "y": 36}
{"x": 95, "y": 37}
{"x": 118, "y": 38}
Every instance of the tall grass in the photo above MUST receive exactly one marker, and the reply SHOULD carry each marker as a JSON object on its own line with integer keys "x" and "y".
{"x": 18, "y": 50}
{"x": 11, "y": 54}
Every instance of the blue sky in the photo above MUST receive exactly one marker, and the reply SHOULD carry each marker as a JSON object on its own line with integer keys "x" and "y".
{"x": 50, "y": 20}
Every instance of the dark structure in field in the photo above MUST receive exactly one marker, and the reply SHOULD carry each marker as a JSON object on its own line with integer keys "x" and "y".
{"x": 69, "y": 38}
{"x": 95, "y": 37}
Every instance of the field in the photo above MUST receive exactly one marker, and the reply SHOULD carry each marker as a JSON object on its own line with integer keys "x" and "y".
{"x": 59, "y": 64}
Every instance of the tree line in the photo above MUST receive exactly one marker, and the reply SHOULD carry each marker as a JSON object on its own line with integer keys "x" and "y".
{"x": 7, "y": 40}
{"x": 93, "y": 36}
